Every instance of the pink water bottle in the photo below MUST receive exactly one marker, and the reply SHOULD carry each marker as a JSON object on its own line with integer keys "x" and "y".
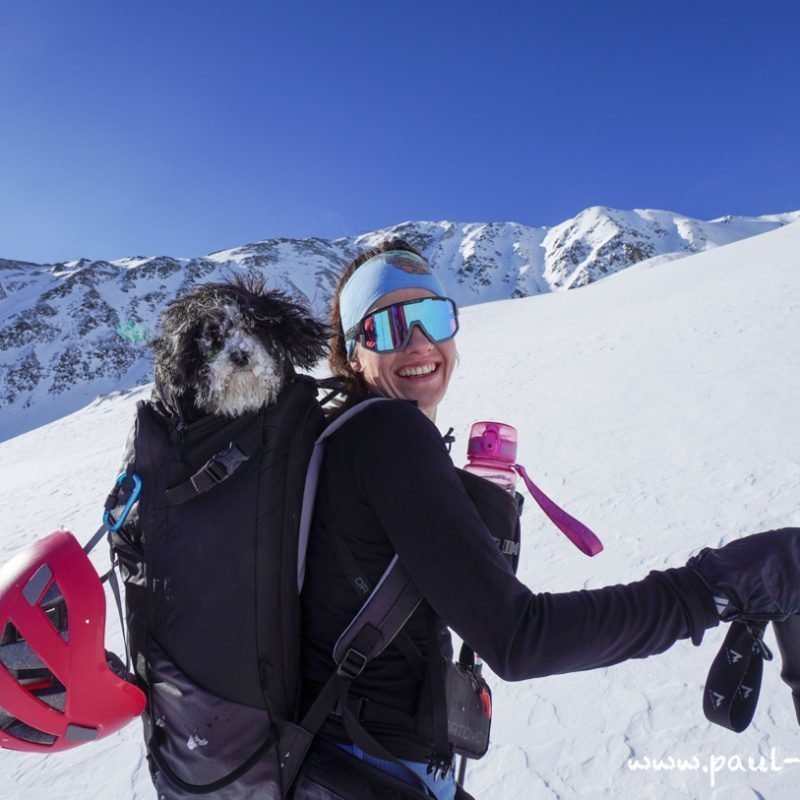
{"x": 492, "y": 453}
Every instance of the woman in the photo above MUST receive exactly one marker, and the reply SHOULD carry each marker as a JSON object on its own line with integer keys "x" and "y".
{"x": 388, "y": 487}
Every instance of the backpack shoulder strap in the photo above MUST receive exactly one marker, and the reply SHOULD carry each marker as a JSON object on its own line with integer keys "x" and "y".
{"x": 362, "y": 587}
{"x": 312, "y": 481}
{"x": 377, "y": 623}
{"x": 390, "y": 603}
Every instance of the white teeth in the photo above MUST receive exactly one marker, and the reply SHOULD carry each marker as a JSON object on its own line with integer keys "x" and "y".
{"x": 409, "y": 371}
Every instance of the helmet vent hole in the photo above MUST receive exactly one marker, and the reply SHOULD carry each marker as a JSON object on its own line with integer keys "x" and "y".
{"x": 33, "y": 676}
{"x": 55, "y": 609}
{"x": 25, "y": 732}
{"x": 9, "y": 636}
{"x": 49, "y": 690}
{"x": 18, "y": 658}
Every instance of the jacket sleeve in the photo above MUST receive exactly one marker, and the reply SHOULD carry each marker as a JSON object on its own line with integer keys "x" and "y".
{"x": 405, "y": 474}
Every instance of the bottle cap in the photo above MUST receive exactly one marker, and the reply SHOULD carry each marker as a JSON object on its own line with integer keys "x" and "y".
{"x": 492, "y": 441}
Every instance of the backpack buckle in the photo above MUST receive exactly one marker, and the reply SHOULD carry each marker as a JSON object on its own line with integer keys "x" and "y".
{"x": 352, "y": 664}
{"x": 219, "y": 467}
{"x": 508, "y": 547}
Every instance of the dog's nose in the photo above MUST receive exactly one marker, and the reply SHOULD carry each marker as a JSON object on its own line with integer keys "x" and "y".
{"x": 240, "y": 358}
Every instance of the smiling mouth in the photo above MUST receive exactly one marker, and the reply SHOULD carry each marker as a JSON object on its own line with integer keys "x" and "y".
{"x": 418, "y": 372}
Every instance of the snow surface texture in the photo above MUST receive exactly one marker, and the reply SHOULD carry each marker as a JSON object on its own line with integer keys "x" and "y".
{"x": 72, "y": 331}
{"x": 659, "y": 407}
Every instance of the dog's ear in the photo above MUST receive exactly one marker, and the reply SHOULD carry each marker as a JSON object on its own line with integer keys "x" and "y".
{"x": 308, "y": 341}
{"x": 303, "y": 339}
{"x": 288, "y": 328}
{"x": 176, "y": 356}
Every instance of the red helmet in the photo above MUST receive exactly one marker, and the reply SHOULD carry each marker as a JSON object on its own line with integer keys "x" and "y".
{"x": 57, "y": 689}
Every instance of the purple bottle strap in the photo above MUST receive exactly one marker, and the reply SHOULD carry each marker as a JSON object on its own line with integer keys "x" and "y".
{"x": 573, "y": 529}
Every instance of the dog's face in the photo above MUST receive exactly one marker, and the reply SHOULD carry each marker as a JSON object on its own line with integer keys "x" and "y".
{"x": 239, "y": 373}
{"x": 231, "y": 346}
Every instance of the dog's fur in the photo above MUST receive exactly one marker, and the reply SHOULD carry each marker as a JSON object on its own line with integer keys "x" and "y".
{"x": 229, "y": 348}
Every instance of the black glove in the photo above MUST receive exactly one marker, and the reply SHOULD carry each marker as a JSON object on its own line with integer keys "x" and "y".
{"x": 787, "y": 634}
{"x": 754, "y": 578}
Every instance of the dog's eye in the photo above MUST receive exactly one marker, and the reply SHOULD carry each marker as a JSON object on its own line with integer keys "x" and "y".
{"x": 210, "y": 343}
{"x": 211, "y": 353}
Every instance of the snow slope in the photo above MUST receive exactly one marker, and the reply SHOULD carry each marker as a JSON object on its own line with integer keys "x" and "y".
{"x": 658, "y": 406}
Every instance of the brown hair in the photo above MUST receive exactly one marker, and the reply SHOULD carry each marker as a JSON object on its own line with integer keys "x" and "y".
{"x": 353, "y": 382}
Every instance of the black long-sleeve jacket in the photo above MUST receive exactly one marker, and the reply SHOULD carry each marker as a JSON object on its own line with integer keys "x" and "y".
{"x": 389, "y": 486}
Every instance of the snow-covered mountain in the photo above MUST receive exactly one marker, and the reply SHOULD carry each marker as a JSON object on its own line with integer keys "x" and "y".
{"x": 601, "y": 241}
{"x": 659, "y": 407}
{"x": 74, "y": 330}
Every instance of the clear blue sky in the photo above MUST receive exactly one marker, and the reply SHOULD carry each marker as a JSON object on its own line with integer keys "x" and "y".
{"x": 181, "y": 127}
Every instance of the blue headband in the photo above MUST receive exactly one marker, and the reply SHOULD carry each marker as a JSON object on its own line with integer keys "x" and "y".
{"x": 386, "y": 272}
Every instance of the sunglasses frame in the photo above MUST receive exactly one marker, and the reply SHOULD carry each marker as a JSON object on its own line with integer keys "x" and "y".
{"x": 357, "y": 331}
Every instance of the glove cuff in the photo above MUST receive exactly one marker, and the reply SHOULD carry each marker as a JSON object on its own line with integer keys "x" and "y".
{"x": 697, "y": 600}
{"x": 725, "y": 605}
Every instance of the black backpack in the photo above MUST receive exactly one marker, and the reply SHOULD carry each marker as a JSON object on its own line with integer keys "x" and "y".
{"x": 211, "y": 556}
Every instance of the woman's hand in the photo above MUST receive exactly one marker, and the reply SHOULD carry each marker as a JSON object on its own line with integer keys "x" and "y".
{"x": 756, "y": 577}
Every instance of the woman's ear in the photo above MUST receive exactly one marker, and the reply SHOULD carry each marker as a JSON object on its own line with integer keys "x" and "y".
{"x": 353, "y": 361}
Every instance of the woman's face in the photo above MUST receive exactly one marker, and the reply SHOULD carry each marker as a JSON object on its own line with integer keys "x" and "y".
{"x": 397, "y": 374}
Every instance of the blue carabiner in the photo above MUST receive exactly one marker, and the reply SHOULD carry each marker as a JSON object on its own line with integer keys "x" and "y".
{"x": 108, "y": 518}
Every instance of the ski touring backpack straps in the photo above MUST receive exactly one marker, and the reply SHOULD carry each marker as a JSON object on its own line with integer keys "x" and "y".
{"x": 209, "y": 558}
{"x": 459, "y": 720}
{"x": 212, "y": 557}
{"x": 297, "y": 739}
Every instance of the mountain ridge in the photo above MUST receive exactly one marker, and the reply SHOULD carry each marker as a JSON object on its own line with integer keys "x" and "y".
{"x": 72, "y": 330}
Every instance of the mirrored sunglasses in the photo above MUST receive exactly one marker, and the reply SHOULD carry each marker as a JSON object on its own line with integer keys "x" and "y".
{"x": 387, "y": 330}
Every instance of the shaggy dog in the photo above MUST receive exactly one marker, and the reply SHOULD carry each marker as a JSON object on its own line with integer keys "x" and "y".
{"x": 229, "y": 348}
